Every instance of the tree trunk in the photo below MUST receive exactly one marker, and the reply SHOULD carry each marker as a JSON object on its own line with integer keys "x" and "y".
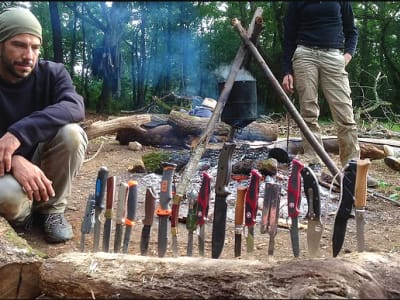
{"x": 56, "y": 28}
{"x": 106, "y": 275}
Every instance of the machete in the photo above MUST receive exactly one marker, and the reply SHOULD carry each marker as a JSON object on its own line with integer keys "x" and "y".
{"x": 221, "y": 193}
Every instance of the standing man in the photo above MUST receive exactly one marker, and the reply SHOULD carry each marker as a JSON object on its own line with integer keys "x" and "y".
{"x": 320, "y": 39}
{"x": 41, "y": 145}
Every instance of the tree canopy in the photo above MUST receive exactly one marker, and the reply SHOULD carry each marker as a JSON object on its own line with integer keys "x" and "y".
{"x": 121, "y": 54}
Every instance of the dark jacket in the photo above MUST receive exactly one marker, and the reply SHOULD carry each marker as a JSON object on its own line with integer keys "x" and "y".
{"x": 35, "y": 108}
{"x": 325, "y": 24}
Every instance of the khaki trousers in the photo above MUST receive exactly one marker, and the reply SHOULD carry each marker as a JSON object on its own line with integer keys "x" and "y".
{"x": 325, "y": 68}
{"x": 60, "y": 159}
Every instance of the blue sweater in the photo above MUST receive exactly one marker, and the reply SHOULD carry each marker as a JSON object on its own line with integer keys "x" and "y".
{"x": 325, "y": 24}
{"x": 36, "y": 107}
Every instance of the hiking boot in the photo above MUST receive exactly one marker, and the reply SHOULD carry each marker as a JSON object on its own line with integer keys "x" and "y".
{"x": 56, "y": 228}
{"x": 392, "y": 162}
{"x": 371, "y": 182}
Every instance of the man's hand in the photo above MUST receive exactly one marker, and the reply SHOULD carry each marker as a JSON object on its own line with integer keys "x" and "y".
{"x": 36, "y": 185}
{"x": 347, "y": 58}
{"x": 287, "y": 84}
{"x": 8, "y": 144}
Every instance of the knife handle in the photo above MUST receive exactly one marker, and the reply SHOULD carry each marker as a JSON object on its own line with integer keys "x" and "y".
{"x": 239, "y": 208}
{"x": 203, "y": 198}
{"x": 88, "y": 218}
{"x": 166, "y": 184}
{"x": 191, "y": 219}
{"x": 121, "y": 203}
{"x": 224, "y": 170}
{"x": 132, "y": 202}
{"x": 360, "y": 192}
{"x": 101, "y": 182}
{"x": 251, "y": 202}
{"x": 149, "y": 206}
{"x": 111, "y": 188}
{"x": 312, "y": 193}
{"x": 270, "y": 214}
{"x": 294, "y": 188}
{"x": 347, "y": 190}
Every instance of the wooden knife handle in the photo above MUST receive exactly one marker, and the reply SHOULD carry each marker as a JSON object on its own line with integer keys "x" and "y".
{"x": 360, "y": 192}
{"x": 239, "y": 208}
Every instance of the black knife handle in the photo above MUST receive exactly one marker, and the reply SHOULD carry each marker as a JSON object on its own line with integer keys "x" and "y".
{"x": 101, "y": 182}
{"x": 312, "y": 193}
{"x": 347, "y": 190}
{"x": 132, "y": 201}
{"x": 224, "y": 169}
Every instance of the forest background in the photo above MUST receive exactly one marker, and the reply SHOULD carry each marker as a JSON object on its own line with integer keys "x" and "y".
{"x": 122, "y": 54}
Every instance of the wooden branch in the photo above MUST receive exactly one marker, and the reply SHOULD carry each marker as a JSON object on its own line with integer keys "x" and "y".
{"x": 100, "y": 128}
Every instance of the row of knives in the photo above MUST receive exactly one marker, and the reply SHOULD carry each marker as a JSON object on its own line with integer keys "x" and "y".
{"x": 353, "y": 194}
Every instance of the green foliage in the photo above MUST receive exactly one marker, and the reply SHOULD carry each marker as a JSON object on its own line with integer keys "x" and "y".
{"x": 152, "y": 161}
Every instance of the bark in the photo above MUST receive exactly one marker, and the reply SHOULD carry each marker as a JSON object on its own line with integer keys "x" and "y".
{"x": 108, "y": 276}
{"x": 100, "y": 128}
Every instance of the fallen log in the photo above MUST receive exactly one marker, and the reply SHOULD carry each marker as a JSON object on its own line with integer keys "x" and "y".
{"x": 108, "y": 276}
{"x": 100, "y": 128}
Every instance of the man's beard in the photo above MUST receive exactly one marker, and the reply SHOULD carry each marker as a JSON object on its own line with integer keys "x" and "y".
{"x": 10, "y": 67}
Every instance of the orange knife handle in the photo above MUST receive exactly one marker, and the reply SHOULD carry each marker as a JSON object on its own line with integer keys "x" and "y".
{"x": 239, "y": 208}
{"x": 360, "y": 192}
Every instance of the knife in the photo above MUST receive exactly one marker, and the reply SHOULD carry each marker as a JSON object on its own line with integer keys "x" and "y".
{"x": 149, "y": 207}
{"x": 360, "y": 200}
{"x": 120, "y": 214}
{"x": 176, "y": 201}
{"x": 239, "y": 218}
{"x": 101, "y": 182}
{"x": 345, "y": 206}
{"x": 191, "y": 221}
{"x": 294, "y": 193}
{"x": 163, "y": 212}
{"x": 203, "y": 200}
{"x": 111, "y": 188}
{"x": 314, "y": 226}
{"x": 270, "y": 212}
{"x": 131, "y": 213}
{"x": 224, "y": 170}
{"x": 251, "y": 205}
{"x": 88, "y": 220}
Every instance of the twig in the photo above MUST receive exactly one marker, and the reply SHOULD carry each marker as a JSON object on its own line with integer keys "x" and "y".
{"x": 94, "y": 155}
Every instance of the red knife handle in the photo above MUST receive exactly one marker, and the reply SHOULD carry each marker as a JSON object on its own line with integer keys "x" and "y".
{"x": 203, "y": 198}
{"x": 251, "y": 201}
{"x": 294, "y": 188}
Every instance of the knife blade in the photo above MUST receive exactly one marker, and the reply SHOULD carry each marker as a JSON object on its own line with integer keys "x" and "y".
{"x": 120, "y": 214}
{"x": 163, "y": 212}
{"x": 149, "y": 207}
{"x": 131, "y": 213}
{"x": 224, "y": 170}
{"x": 345, "y": 206}
{"x": 101, "y": 182}
{"x": 191, "y": 223}
{"x": 88, "y": 220}
{"x": 315, "y": 227}
{"x": 360, "y": 200}
{"x": 270, "y": 212}
{"x": 251, "y": 205}
{"x": 176, "y": 202}
{"x": 108, "y": 214}
{"x": 203, "y": 200}
{"x": 293, "y": 200}
{"x": 239, "y": 218}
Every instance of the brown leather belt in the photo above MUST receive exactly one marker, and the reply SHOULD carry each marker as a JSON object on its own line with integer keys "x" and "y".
{"x": 320, "y": 48}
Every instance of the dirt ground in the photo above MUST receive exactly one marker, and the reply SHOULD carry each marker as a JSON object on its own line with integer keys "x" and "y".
{"x": 382, "y": 230}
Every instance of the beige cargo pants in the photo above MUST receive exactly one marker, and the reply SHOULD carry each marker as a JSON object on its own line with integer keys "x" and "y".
{"x": 60, "y": 159}
{"x": 325, "y": 68}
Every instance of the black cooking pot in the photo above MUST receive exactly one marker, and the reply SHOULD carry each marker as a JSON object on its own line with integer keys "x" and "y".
{"x": 241, "y": 107}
